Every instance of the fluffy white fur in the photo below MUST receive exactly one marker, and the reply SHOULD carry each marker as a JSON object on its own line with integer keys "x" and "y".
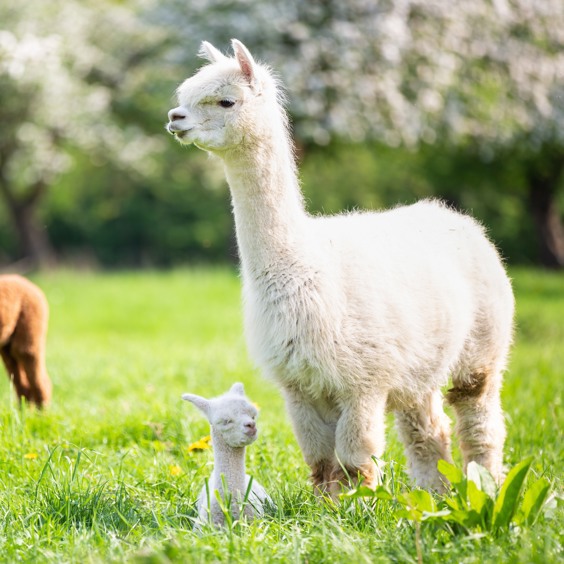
{"x": 357, "y": 313}
{"x": 233, "y": 427}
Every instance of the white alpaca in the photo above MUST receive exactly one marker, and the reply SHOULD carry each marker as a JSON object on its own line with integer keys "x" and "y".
{"x": 355, "y": 313}
{"x": 233, "y": 427}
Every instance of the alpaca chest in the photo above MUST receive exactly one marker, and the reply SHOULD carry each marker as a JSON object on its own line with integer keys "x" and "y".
{"x": 290, "y": 331}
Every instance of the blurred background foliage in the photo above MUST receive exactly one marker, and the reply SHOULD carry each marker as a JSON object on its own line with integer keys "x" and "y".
{"x": 391, "y": 101}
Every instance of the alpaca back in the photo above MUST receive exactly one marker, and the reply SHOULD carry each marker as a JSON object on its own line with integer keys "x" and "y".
{"x": 403, "y": 297}
{"x": 22, "y": 302}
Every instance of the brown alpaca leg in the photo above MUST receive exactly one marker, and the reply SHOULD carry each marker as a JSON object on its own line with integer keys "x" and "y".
{"x": 39, "y": 383}
{"x": 16, "y": 374}
{"x": 28, "y": 349}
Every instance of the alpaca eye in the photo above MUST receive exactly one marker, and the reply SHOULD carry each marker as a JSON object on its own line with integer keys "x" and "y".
{"x": 226, "y": 103}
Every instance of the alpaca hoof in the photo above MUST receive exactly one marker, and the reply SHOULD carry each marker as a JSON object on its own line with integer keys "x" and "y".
{"x": 350, "y": 477}
{"x": 321, "y": 476}
{"x": 42, "y": 396}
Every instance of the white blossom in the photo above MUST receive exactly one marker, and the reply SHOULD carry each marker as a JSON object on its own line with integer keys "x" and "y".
{"x": 492, "y": 69}
{"x": 61, "y": 68}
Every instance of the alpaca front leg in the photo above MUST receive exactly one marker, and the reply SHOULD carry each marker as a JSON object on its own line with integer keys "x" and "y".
{"x": 360, "y": 435}
{"x": 424, "y": 429}
{"x": 315, "y": 436}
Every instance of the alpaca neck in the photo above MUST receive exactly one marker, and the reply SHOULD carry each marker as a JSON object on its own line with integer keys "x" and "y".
{"x": 230, "y": 462}
{"x": 267, "y": 201}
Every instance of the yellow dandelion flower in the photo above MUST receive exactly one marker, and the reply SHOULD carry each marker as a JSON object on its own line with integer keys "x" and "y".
{"x": 175, "y": 470}
{"x": 31, "y": 455}
{"x": 202, "y": 444}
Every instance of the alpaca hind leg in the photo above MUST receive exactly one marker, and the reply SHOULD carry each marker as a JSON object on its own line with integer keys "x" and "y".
{"x": 480, "y": 424}
{"x": 424, "y": 429}
{"x": 316, "y": 438}
{"x": 16, "y": 374}
{"x": 360, "y": 435}
{"x": 28, "y": 349}
{"x": 33, "y": 366}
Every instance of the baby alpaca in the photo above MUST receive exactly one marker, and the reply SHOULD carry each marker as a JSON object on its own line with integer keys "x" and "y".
{"x": 24, "y": 315}
{"x": 233, "y": 427}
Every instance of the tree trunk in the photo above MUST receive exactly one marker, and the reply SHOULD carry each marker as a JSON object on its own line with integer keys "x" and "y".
{"x": 33, "y": 240}
{"x": 543, "y": 189}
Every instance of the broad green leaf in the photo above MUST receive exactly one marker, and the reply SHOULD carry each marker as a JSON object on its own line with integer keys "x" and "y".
{"x": 416, "y": 504}
{"x": 360, "y": 491}
{"x": 477, "y": 499}
{"x": 482, "y": 478}
{"x": 453, "y": 474}
{"x": 443, "y": 515}
{"x": 382, "y": 493}
{"x": 363, "y": 491}
{"x": 422, "y": 500}
{"x": 404, "y": 499}
{"x": 508, "y": 498}
{"x": 468, "y": 519}
{"x": 410, "y": 513}
{"x": 533, "y": 501}
{"x": 454, "y": 503}
{"x": 473, "y": 519}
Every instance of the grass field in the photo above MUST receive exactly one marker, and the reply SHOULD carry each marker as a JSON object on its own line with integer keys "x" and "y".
{"x": 105, "y": 474}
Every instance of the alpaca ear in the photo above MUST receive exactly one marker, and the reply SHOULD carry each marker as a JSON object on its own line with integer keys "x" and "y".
{"x": 201, "y": 403}
{"x": 210, "y": 53}
{"x": 246, "y": 62}
{"x": 238, "y": 389}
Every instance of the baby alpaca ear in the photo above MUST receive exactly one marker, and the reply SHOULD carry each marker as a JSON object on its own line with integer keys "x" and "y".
{"x": 201, "y": 403}
{"x": 238, "y": 389}
{"x": 210, "y": 53}
{"x": 246, "y": 62}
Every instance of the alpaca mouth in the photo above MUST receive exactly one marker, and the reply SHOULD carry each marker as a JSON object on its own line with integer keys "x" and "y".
{"x": 182, "y": 136}
{"x": 178, "y": 133}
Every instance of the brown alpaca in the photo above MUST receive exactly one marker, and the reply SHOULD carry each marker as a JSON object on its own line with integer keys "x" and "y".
{"x": 24, "y": 314}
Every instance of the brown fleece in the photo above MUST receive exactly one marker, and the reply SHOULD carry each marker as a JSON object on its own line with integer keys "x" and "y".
{"x": 24, "y": 314}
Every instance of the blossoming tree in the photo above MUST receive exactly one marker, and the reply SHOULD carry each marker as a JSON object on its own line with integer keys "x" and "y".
{"x": 487, "y": 74}
{"x": 62, "y": 69}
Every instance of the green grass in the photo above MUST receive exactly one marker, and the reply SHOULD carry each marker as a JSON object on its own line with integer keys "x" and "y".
{"x": 96, "y": 477}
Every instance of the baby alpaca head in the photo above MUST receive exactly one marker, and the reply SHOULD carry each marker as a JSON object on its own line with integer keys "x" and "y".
{"x": 231, "y": 415}
{"x": 223, "y": 104}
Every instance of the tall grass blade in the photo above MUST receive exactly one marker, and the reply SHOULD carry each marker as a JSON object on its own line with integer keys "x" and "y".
{"x": 46, "y": 466}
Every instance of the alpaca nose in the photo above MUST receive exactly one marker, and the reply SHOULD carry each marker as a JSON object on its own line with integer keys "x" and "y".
{"x": 177, "y": 114}
{"x": 251, "y": 426}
